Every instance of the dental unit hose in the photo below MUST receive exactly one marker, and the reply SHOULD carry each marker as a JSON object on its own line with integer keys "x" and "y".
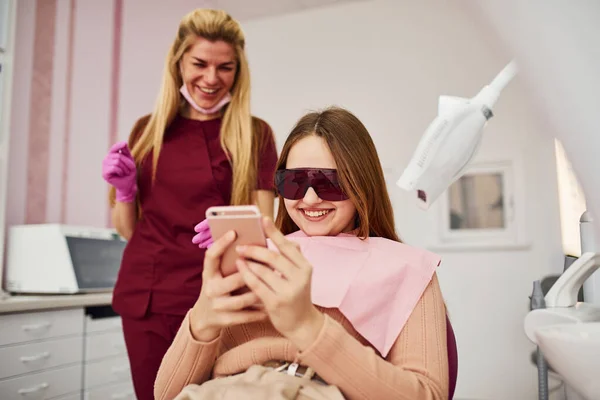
{"x": 538, "y": 302}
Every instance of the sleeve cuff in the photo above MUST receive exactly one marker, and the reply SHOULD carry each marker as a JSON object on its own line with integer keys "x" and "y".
{"x": 328, "y": 339}
{"x": 192, "y": 341}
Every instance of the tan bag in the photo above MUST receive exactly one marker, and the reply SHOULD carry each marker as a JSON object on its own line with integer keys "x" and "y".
{"x": 260, "y": 383}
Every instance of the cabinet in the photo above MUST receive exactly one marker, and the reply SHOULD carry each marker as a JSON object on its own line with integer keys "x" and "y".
{"x": 106, "y": 372}
{"x": 70, "y": 354}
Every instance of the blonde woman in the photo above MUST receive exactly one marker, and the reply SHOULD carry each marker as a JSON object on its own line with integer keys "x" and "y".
{"x": 200, "y": 147}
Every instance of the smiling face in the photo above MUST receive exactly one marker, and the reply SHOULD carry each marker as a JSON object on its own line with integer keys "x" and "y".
{"x": 208, "y": 70}
{"x": 313, "y": 215}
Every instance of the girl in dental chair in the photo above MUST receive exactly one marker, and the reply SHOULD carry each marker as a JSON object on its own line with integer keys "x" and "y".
{"x": 345, "y": 309}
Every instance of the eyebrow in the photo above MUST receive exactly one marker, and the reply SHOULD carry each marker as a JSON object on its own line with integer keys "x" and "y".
{"x": 229, "y": 63}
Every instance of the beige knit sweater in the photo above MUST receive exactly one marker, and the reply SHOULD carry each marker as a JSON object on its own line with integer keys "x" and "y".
{"x": 416, "y": 368}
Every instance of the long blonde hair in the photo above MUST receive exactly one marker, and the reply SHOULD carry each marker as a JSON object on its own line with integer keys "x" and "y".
{"x": 358, "y": 167}
{"x": 240, "y": 132}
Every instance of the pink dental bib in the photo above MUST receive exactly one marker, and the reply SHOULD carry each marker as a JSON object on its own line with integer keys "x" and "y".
{"x": 375, "y": 283}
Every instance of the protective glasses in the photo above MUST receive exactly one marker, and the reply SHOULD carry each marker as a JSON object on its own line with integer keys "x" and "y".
{"x": 293, "y": 184}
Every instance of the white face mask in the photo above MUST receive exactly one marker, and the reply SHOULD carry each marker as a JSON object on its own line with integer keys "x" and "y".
{"x": 186, "y": 94}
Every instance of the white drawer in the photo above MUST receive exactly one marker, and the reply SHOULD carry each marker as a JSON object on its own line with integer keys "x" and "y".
{"x": 102, "y": 324}
{"x": 120, "y": 391}
{"x": 26, "y": 327}
{"x": 103, "y": 345}
{"x": 72, "y": 396}
{"x": 43, "y": 385}
{"x": 101, "y": 373}
{"x": 32, "y": 357}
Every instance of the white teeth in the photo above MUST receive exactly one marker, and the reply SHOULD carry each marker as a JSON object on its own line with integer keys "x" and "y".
{"x": 316, "y": 213}
{"x": 207, "y": 90}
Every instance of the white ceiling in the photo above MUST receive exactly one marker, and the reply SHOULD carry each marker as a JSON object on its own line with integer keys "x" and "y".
{"x": 244, "y": 10}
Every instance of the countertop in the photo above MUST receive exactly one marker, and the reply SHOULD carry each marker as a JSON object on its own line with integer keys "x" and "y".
{"x": 24, "y": 303}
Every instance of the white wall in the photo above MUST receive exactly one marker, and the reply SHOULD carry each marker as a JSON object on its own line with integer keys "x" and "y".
{"x": 387, "y": 61}
{"x": 19, "y": 139}
{"x": 76, "y": 103}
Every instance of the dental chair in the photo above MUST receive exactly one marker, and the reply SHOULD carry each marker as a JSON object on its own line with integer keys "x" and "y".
{"x": 452, "y": 358}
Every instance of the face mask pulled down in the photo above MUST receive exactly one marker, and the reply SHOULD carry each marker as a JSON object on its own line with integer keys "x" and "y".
{"x": 207, "y": 111}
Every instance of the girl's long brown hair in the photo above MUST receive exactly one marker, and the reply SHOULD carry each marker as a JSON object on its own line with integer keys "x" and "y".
{"x": 358, "y": 167}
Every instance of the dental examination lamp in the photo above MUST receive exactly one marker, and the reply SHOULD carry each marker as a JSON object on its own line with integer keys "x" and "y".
{"x": 451, "y": 140}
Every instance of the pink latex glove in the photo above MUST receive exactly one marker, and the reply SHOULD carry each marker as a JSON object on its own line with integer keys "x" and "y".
{"x": 119, "y": 170}
{"x": 203, "y": 237}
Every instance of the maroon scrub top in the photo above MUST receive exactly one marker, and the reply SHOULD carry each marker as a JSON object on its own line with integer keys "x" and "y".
{"x": 161, "y": 269}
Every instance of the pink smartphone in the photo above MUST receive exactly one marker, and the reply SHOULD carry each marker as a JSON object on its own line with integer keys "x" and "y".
{"x": 245, "y": 221}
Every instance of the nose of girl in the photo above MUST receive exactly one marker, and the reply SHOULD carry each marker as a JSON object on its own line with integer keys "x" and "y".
{"x": 311, "y": 197}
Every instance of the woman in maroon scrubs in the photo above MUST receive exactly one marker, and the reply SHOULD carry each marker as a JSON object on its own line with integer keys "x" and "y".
{"x": 200, "y": 147}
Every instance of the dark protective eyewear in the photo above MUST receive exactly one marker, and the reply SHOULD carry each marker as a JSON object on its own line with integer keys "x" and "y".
{"x": 293, "y": 184}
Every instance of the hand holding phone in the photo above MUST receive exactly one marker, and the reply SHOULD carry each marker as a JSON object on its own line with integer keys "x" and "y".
{"x": 218, "y": 306}
{"x": 246, "y": 221}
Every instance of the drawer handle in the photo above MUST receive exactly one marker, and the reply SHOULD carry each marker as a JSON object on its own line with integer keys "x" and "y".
{"x": 36, "y": 327}
{"x": 35, "y": 389}
{"x": 120, "y": 370}
{"x": 37, "y": 357}
{"x": 119, "y": 396}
